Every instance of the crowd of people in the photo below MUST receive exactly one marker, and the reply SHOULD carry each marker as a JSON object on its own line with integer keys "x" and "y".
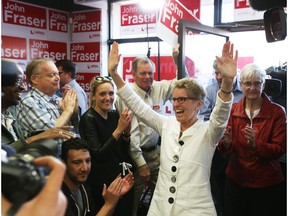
{"x": 218, "y": 155}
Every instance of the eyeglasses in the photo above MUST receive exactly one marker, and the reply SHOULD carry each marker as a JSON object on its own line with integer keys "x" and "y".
{"x": 181, "y": 100}
{"x": 103, "y": 78}
{"x": 257, "y": 84}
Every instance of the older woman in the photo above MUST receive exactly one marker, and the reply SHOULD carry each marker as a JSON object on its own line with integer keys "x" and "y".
{"x": 107, "y": 135}
{"x": 187, "y": 143}
{"x": 255, "y": 139}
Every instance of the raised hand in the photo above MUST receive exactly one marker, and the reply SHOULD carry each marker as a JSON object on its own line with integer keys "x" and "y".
{"x": 114, "y": 58}
{"x": 175, "y": 53}
{"x": 227, "y": 64}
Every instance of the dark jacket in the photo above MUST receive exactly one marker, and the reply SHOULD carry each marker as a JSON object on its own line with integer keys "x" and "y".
{"x": 107, "y": 154}
{"x": 259, "y": 168}
{"x": 7, "y": 137}
{"x": 88, "y": 203}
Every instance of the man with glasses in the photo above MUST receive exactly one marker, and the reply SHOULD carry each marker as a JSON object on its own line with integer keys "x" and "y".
{"x": 67, "y": 72}
{"x": 144, "y": 140}
{"x": 219, "y": 163}
{"x": 40, "y": 108}
{"x": 12, "y": 87}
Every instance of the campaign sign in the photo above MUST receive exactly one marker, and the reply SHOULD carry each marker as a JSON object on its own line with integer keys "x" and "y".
{"x": 171, "y": 13}
{"x": 13, "y": 48}
{"x": 86, "y": 54}
{"x": 58, "y": 21}
{"x": 84, "y": 79}
{"x": 88, "y": 21}
{"x": 86, "y": 26}
{"x": 24, "y": 15}
{"x": 47, "y": 49}
{"x": 136, "y": 21}
{"x": 192, "y": 6}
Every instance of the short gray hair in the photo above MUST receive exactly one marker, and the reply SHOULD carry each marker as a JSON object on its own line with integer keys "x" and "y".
{"x": 252, "y": 70}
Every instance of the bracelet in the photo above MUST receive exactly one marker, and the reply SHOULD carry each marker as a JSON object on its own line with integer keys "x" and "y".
{"x": 126, "y": 135}
{"x": 225, "y": 92}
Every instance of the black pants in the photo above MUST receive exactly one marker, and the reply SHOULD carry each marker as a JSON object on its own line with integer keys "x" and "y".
{"x": 241, "y": 201}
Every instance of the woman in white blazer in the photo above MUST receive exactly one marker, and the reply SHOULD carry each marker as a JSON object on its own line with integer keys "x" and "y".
{"x": 187, "y": 142}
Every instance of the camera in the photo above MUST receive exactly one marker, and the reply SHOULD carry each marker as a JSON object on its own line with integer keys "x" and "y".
{"x": 21, "y": 179}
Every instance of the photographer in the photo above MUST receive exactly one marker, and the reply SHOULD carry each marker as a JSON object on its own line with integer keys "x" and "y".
{"x": 50, "y": 201}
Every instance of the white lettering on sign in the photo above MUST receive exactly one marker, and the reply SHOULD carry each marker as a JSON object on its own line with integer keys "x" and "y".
{"x": 86, "y": 26}
{"x": 130, "y": 9}
{"x": 129, "y": 69}
{"x": 174, "y": 7}
{"x": 130, "y": 15}
{"x": 11, "y": 17}
{"x": 36, "y": 53}
{"x": 85, "y": 86}
{"x": 84, "y": 56}
{"x": 14, "y": 7}
{"x": 137, "y": 19}
{"x": 40, "y": 44}
{"x": 168, "y": 15}
{"x": 77, "y": 47}
{"x": 12, "y": 53}
{"x": 58, "y": 16}
{"x": 79, "y": 17}
{"x": 56, "y": 24}
{"x": 80, "y": 77}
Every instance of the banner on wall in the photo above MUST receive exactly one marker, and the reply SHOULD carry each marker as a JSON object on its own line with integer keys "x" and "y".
{"x": 29, "y": 20}
{"x": 14, "y": 48}
{"x": 86, "y": 26}
{"x": 86, "y": 56}
{"x": 243, "y": 11}
{"x": 47, "y": 49}
{"x": 136, "y": 21}
{"x": 58, "y": 25}
{"x": 84, "y": 79}
{"x": 171, "y": 13}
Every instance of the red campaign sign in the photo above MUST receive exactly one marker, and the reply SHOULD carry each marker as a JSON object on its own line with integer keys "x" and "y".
{"x": 23, "y": 14}
{"x": 84, "y": 79}
{"x": 172, "y": 12}
{"x": 89, "y": 21}
{"x": 13, "y": 48}
{"x": 85, "y": 52}
{"x": 58, "y": 21}
{"x": 47, "y": 49}
{"x": 193, "y": 6}
{"x": 239, "y": 4}
{"x": 132, "y": 15}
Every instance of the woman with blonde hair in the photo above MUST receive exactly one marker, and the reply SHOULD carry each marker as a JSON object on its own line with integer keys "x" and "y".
{"x": 107, "y": 134}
